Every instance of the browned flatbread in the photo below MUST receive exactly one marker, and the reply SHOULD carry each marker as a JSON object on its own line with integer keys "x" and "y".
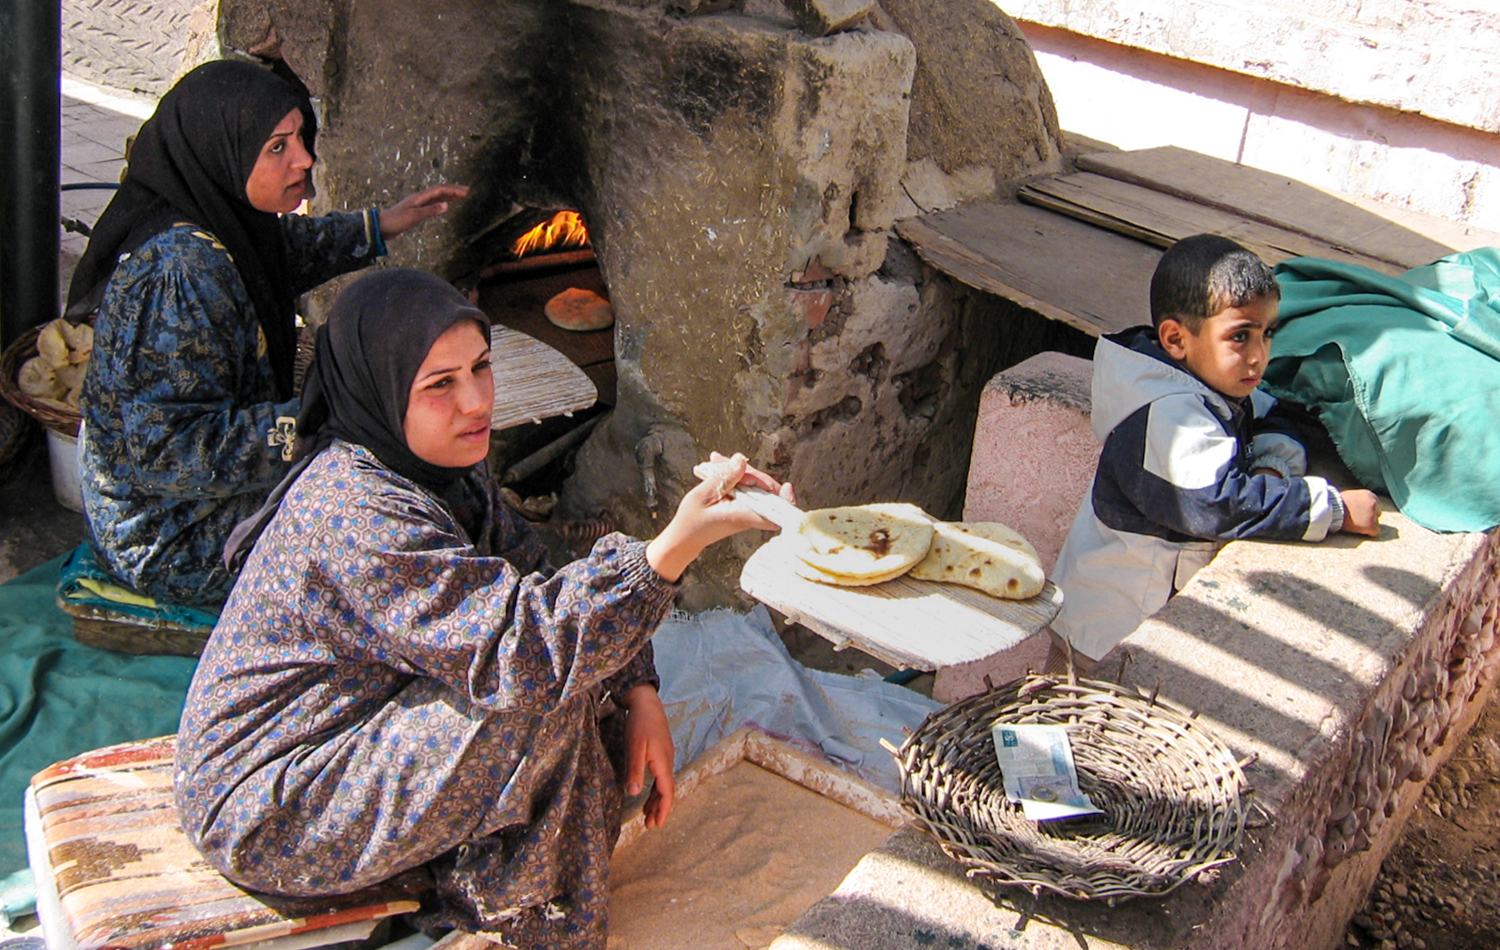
{"x": 985, "y": 555}
{"x": 579, "y": 309}
{"x": 856, "y": 543}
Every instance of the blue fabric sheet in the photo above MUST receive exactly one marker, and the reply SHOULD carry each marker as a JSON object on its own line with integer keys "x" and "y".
{"x": 721, "y": 670}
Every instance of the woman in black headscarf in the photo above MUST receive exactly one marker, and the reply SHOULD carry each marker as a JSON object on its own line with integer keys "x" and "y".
{"x": 194, "y": 270}
{"x": 397, "y": 678}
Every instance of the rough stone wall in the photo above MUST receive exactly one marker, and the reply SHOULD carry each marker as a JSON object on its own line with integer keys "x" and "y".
{"x": 1433, "y": 693}
{"x": 136, "y": 45}
{"x": 981, "y": 116}
{"x": 412, "y": 93}
{"x": 1350, "y": 670}
{"x": 740, "y": 175}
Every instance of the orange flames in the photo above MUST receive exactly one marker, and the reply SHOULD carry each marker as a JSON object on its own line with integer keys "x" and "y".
{"x": 565, "y": 229}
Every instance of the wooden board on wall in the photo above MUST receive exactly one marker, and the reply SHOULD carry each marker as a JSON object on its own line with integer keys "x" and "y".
{"x": 1162, "y": 219}
{"x": 1088, "y": 277}
{"x": 1283, "y": 202}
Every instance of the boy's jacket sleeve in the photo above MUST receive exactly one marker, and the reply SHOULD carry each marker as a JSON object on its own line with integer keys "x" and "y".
{"x": 1172, "y": 470}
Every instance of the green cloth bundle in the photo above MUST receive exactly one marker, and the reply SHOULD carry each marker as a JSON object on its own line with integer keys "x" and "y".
{"x": 1404, "y": 372}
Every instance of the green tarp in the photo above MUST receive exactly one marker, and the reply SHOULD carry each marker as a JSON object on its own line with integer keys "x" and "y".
{"x": 59, "y": 698}
{"x": 1405, "y": 374}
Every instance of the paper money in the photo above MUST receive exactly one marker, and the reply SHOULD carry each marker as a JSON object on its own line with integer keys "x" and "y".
{"x": 1037, "y": 764}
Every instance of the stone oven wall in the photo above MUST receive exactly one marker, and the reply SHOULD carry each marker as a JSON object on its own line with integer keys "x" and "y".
{"x": 740, "y": 169}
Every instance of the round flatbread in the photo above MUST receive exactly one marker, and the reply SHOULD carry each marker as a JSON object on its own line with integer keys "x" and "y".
{"x": 984, "y": 555}
{"x": 580, "y": 310}
{"x": 805, "y": 570}
{"x": 860, "y": 542}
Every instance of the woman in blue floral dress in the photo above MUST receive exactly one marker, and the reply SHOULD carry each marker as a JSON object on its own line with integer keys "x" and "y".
{"x": 398, "y": 679}
{"x": 195, "y": 269}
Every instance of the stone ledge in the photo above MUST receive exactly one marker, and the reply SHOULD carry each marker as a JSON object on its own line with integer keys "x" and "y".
{"x": 1351, "y": 669}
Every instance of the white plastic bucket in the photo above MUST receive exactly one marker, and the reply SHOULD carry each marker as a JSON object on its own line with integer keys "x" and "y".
{"x": 67, "y": 483}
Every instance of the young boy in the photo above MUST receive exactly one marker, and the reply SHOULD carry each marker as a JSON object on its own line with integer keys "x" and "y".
{"x": 1189, "y": 460}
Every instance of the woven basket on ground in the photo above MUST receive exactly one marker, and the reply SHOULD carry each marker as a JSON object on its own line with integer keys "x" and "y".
{"x": 56, "y": 418}
{"x": 1171, "y": 793}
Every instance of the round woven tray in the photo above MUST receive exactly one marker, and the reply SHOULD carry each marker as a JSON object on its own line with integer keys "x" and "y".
{"x": 53, "y": 417}
{"x": 1171, "y": 793}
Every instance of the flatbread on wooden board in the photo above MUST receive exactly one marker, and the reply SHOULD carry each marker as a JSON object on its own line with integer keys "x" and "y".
{"x": 860, "y": 542}
{"x": 985, "y": 555}
{"x": 805, "y": 570}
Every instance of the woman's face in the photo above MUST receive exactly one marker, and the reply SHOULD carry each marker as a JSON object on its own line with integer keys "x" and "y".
{"x": 281, "y": 178}
{"x": 448, "y": 413}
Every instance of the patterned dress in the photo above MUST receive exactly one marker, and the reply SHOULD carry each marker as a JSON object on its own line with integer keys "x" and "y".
{"x": 382, "y": 692}
{"x": 180, "y": 413}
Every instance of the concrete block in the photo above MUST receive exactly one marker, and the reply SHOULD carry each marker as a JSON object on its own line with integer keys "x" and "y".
{"x": 1034, "y": 452}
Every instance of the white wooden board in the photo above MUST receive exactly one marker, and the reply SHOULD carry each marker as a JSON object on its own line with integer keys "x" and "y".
{"x": 908, "y": 623}
{"x": 533, "y": 381}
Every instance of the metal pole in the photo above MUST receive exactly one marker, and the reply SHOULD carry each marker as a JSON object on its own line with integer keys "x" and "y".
{"x": 30, "y": 136}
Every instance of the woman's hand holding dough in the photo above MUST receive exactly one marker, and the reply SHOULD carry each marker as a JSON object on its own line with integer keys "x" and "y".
{"x": 705, "y": 515}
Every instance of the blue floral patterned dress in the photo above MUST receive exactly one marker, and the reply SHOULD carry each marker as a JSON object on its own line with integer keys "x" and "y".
{"x": 382, "y": 692}
{"x": 183, "y": 433}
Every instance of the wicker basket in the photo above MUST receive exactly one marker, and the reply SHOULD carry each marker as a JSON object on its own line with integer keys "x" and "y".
{"x": 53, "y": 417}
{"x": 1171, "y": 793}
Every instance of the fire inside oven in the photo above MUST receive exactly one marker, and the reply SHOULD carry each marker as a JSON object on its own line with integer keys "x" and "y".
{"x": 543, "y": 281}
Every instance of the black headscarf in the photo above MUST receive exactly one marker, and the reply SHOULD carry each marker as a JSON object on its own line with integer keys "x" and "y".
{"x": 190, "y": 162}
{"x": 378, "y": 333}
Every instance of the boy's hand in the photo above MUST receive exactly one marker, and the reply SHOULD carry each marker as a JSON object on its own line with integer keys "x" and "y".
{"x": 1361, "y": 512}
{"x": 648, "y": 745}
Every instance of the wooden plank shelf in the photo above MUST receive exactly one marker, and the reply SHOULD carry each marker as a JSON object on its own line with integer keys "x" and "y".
{"x": 1087, "y": 277}
{"x": 1400, "y": 238}
{"x": 1163, "y": 219}
{"x": 1081, "y": 247}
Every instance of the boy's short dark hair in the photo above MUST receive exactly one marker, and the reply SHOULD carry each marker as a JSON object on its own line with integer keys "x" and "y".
{"x": 1206, "y": 274}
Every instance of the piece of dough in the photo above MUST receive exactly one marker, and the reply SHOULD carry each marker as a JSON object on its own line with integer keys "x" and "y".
{"x": 38, "y": 380}
{"x": 861, "y": 542}
{"x": 80, "y": 340}
{"x": 985, "y": 555}
{"x": 579, "y": 309}
{"x": 52, "y": 346}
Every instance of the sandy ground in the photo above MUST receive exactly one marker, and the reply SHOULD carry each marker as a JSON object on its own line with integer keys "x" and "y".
{"x": 740, "y": 859}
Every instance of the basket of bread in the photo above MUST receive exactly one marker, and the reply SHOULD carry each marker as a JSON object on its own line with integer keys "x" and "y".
{"x": 41, "y": 373}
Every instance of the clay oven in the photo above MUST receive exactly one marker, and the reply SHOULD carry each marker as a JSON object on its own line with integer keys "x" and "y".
{"x": 740, "y": 166}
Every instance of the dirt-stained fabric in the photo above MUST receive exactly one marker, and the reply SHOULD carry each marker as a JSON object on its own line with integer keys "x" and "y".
{"x": 382, "y": 692}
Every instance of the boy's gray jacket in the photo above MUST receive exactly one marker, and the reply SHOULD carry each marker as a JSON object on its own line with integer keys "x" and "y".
{"x": 1173, "y": 485}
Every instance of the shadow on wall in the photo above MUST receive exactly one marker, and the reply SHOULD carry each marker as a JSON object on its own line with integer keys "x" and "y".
{"x": 1137, "y": 99}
